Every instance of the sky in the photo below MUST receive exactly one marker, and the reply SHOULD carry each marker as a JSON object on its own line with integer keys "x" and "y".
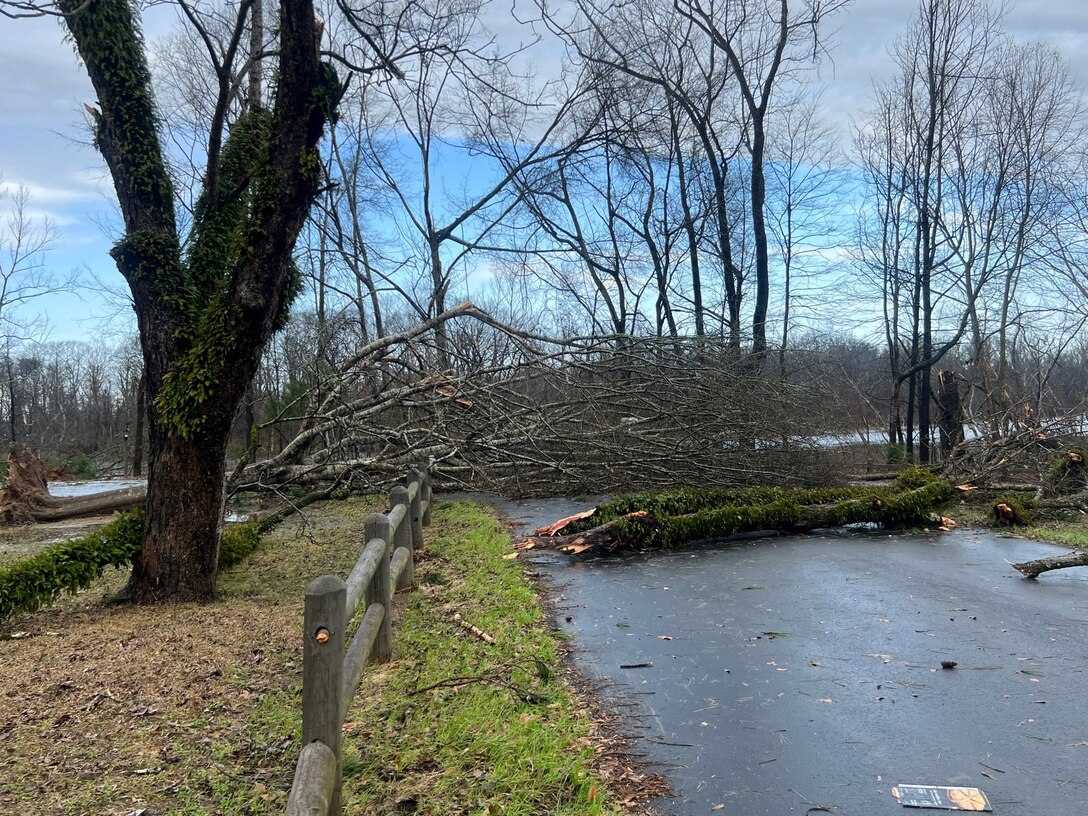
{"x": 44, "y": 144}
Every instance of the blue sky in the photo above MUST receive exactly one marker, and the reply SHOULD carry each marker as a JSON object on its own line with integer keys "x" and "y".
{"x": 44, "y": 145}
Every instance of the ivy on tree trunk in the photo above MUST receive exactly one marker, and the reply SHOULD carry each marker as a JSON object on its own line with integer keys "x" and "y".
{"x": 205, "y": 313}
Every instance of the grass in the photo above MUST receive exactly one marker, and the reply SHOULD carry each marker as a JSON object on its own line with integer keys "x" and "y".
{"x": 512, "y": 739}
{"x": 195, "y": 709}
{"x": 1068, "y": 531}
{"x": 1072, "y": 534}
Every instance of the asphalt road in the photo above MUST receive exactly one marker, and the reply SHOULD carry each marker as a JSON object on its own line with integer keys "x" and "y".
{"x": 792, "y": 673}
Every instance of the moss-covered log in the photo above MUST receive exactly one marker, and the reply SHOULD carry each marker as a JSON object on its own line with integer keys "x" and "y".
{"x": 645, "y": 522}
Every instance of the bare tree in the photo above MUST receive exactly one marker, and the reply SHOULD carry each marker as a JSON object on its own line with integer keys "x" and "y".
{"x": 761, "y": 40}
{"x": 24, "y": 278}
{"x": 806, "y": 191}
{"x": 943, "y": 60}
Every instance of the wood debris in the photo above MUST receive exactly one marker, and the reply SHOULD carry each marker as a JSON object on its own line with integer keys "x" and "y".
{"x": 475, "y": 630}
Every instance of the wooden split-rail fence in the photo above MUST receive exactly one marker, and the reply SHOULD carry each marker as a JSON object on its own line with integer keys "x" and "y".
{"x": 330, "y": 676}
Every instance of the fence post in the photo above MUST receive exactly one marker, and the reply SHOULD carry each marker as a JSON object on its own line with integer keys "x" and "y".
{"x": 415, "y": 506}
{"x": 426, "y": 473}
{"x": 403, "y": 536}
{"x": 379, "y": 589}
{"x": 323, "y": 669}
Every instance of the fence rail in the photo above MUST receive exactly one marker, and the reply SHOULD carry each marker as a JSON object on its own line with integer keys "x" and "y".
{"x": 330, "y": 677}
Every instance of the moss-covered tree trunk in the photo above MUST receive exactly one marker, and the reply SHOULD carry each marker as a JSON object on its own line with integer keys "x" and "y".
{"x": 205, "y": 312}
{"x": 667, "y": 520}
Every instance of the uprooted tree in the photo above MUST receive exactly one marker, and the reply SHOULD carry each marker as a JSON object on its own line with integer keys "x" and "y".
{"x": 25, "y": 497}
{"x": 207, "y": 306}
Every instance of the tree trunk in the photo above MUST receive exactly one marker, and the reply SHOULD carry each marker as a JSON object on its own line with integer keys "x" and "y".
{"x": 206, "y": 312}
{"x": 950, "y": 420}
{"x": 759, "y": 229}
{"x": 184, "y": 517}
{"x": 25, "y": 497}
{"x": 645, "y": 530}
{"x": 62, "y": 509}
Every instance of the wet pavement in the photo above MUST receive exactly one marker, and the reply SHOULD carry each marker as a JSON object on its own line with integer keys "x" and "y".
{"x": 790, "y": 674}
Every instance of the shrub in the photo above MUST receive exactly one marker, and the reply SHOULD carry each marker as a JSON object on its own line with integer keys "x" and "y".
{"x": 897, "y": 453}
{"x": 1010, "y": 510}
{"x": 1070, "y": 472}
{"x": 238, "y": 541}
{"x": 914, "y": 477}
{"x": 80, "y": 467}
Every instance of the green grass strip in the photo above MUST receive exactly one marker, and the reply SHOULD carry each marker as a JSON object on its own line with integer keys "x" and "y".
{"x": 511, "y": 741}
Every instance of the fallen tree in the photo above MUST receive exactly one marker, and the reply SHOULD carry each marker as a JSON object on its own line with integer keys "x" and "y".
{"x": 524, "y": 414}
{"x": 674, "y": 519}
{"x": 25, "y": 496}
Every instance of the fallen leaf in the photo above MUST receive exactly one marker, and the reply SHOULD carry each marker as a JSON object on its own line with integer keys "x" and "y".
{"x": 825, "y": 700}
{"x": 719, "y": 806}
{"x": 987, "y": 774}
{"x": 576, "y": 547}
{"x": 510, "y": 556}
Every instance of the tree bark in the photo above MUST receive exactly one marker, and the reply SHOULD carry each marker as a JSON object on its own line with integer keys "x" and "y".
{"x": 950, "y": 420}
{"x": 180, "y": 558}
{"x": 1032, "y": 569}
